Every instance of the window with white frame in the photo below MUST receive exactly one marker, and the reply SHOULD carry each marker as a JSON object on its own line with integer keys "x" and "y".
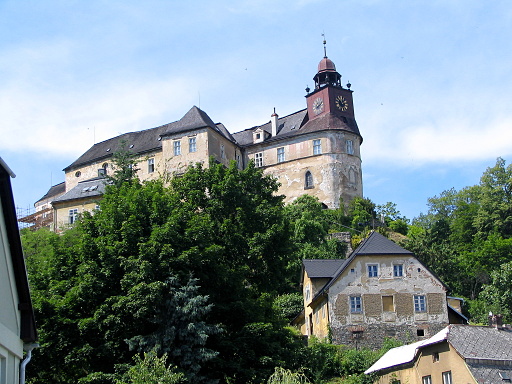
{"x": 447, "y": 377}
{"x": 151, "y": 165}
{"x": 426, "y": 380}
{"x": 308, "y": 292}
{"x": 73, "y": 215}
{"x": 350, "y": 147}
{"x": 280, "y": 155}
{"x": 258, "y": 159}
{"x": 317, "y": 147}
{"x": 191, "y": 144}
{"x": 373, "y": 270}
{"x": 398, "y": 270}
{"x": 420, "y": 303}
{"x": 177, "y": 148}
{"x": 356, "y": 305}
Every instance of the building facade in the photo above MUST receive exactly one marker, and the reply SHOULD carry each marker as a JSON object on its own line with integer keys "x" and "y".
{"x": 313, "y": 151}
{"x": 381, "y": 290}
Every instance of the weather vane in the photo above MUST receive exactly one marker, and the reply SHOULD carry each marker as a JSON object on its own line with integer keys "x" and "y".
{"x": 325, "y": 48}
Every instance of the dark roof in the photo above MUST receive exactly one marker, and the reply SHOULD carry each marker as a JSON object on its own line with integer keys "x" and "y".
{"x": 150, "y": 139}
{"x": 478, "y": 342}
{"x": 84, "y": 189}
{"x": 489, "y": 374}
{"x": 330, "y": 121}
{"x": 56, "y": 190}
{"x": 195, "y": 118}
{"x": 377, "y": 244}
{"x": 319, "y": 268}
{"x": 28, "y": 332}
{"x": 287, "y": 126}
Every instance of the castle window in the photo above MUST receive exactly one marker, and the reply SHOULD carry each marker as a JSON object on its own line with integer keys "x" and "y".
{"x": 447, "y": 377}
{"x": 177, "y": 148}
{"x": 420, "y": 304}
{"x": 435, "y": 357}
{"x": 151, "y": 165}
{"x": 373, "y": 270}
{"x": 426, "y": 380}
{"x": 258, "y": 136}
{"x": 350, "y": 147}
{"x": 72, "y": 216}
{"x": 102, "y": 172}
{"x": 222, "y": 152}
{"x": 317, "y": 147}
{"x": 308, "y": 181}
{"x": 280, "y": 155}
{"x": 420, "y": 332}
{"x": 308, "y": 292}
{"x": 78, "y": 174}
{"x": 258, "y": 159}
{"x": 398, "y": 270}
{"x": 356, "y": 305}
{"x": 191, "y": 144}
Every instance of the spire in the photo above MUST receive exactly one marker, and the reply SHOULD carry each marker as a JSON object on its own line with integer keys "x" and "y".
{"x": 325, "y": 47}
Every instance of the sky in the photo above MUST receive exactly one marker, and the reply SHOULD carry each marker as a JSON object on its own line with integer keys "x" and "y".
{"x": 432, "y": 80}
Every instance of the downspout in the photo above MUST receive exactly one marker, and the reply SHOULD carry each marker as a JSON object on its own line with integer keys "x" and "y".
{"x": 28, "y": 348}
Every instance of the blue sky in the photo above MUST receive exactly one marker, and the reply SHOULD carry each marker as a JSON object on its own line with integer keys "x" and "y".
{"x": 432, "y": 80}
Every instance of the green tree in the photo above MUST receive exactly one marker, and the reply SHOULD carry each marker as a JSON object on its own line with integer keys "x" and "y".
{"x": 497, "y": 294}
{"x": 363, "y": 212}
{"x": 151, "y": 370}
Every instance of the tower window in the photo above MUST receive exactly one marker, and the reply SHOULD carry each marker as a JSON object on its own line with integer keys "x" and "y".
{"x": 280, "y": 155}
{"x": 177, "y": 148}
{"x": 308, "y": 181}
{"x": 317, "y": 147}
{"x": 191, "y": 144}
{"x": 258, "y": 159}
{"x": 151, "y": 165}
{"x": 350, "y": 147}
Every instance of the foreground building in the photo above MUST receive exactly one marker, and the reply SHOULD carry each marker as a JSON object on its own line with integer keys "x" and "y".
{"x": 17, "y": 325}
{"x": 313, "y": 151}
{"x": 457, "y": 354}
{"x": 381, "y": 290}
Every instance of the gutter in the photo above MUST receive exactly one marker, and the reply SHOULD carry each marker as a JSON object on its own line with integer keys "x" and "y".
{"x": 28, "y": 357}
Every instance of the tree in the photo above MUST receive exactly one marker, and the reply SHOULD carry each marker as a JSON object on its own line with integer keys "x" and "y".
{"x": 497, "y": 293}
{"x": 151, "y": 370}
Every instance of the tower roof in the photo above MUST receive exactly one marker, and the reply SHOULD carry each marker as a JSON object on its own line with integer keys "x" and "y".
{"x": 326, "y": 65}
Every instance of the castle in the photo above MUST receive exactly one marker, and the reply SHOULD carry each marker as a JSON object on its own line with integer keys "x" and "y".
{"x": 313, "y": 151}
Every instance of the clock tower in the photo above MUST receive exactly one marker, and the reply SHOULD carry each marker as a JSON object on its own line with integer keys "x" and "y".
{"x": 329, "y": 96}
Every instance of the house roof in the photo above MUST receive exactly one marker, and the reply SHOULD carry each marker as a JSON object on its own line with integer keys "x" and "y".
{"x": 475, "y": 344}
{"x": 148, "y": 140}
{"x": 489, "y": 373}
{"x": 319, "y": 268}
{"x": 377, "y": 244}
{"x": 84, "y": 189}
{"x": 55, "y": 190}
{"x": 28, "y": 332}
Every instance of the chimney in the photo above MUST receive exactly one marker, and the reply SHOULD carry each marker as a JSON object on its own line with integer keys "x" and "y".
{"x": 273, "y": 121}
{"x": 495, "y": 321}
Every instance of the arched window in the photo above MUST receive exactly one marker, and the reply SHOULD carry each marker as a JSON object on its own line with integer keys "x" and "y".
{"x": 308, "y": 180}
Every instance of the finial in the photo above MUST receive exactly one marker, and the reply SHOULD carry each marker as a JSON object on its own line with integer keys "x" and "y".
{"x": 307, "y": 89}
{"x": 325, "y": 49}
{"x": 349, "y": 85}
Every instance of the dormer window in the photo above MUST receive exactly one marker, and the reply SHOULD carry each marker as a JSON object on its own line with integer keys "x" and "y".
{"x": 258, "y": 135}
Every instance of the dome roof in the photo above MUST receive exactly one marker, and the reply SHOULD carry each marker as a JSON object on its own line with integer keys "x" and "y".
{"x": 326, "y": 65}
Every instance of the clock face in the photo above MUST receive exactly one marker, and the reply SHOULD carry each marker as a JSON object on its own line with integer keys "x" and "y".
{"x": 341, "y": 103}
{"x": 318, "y": 105}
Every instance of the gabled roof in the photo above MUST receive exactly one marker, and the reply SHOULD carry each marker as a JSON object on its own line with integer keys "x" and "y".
{"x": 377, "y": 244}
{"x": 330, "y": 121}
{"x": 195, "y": 118}
{"x": 55, "y": 190}
{"x": 84, "y": 189}
{"x": 476, "y": 342}
{"x": 322, "y": 268}
{"x": 28, "y": 332}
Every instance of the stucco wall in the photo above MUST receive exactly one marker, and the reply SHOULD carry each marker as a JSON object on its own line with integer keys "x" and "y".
{"x": 61, "y": 215}
{"x": 373, "y": 323}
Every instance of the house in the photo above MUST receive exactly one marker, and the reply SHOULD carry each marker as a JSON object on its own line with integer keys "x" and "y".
{"x": 313, "y": 151}
{"x": 381, "y": 290}
{"x": 17, "y": 325}
{"x": 457, "y": 354}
